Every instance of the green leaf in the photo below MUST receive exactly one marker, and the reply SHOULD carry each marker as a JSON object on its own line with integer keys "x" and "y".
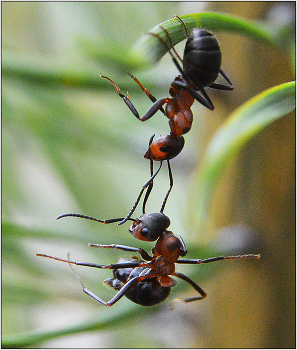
{"x": 238, "y": 129}
{"x": 148, "y": 49}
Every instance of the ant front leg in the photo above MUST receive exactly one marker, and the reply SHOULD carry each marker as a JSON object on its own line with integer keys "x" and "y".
{"x": 140, "y": 194}
{"x": 148, "y": 94}
{"x": 170, "y": 186}
{"x": 118, "y": 295}
{"x": 125, "y": 98}
{"x": 152, "y": 111}
{"x": 141, "y": 251}
{"x": 132, "y": 264}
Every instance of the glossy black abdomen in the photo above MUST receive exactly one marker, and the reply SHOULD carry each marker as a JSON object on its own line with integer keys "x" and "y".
{"x": 202, "y": 58}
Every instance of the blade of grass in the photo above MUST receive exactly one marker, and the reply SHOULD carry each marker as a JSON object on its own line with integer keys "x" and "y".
{"x": 148, "y": 49}
{"x": 239, "y": 128}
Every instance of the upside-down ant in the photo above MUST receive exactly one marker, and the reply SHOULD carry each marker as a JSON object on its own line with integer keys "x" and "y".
{"x": 201, "y": 67}
{"x": 146, "y": 282}
{"x": 201, "y": 64}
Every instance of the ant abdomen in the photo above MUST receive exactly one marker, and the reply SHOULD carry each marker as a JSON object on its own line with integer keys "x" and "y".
{"x": 202, "y": 57}
{"x": 148, "y": 292}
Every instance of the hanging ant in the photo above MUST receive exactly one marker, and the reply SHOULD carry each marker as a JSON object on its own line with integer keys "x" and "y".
{"x": 146, "y": 281}
{"x": 201, "y": 64}
{"x": 201, "y": 67}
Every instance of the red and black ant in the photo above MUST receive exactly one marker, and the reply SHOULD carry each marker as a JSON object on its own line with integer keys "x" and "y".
{"x": 201, "y": 67}
{"x": 201, "y": 64}
{"x": 146, "y": 281}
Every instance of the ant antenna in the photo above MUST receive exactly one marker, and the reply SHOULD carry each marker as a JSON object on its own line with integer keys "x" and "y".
{"x": 109, "y": 221}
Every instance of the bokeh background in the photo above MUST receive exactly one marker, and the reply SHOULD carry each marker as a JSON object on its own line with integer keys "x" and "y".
{"x": 69, "y": 144}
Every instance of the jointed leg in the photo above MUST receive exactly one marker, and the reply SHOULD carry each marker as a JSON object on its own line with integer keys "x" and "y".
{"x": 125, "y": 98}
{"x": 170, "y": 188}
{"x": 140, "y": 194}
{"x": 154, "y": 108}
{"x": 209, "y": 260}
{"x": 149, "y": 189}
{"x": 221, "y": 86}
{"x": 110, "y": 267}
{"x": 141, "y": 251}
{"x": 118, "y": 295}
{"x": 194, "y": 285}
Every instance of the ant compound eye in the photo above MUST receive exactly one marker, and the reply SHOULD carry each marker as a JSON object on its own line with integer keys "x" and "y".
{"x": 144, "y": 232}
{"x": 139, "y": 231}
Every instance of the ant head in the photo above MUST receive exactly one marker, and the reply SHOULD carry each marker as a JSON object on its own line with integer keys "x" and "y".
{"x": 165, "y": 147}
{"x": 149, "y": 227}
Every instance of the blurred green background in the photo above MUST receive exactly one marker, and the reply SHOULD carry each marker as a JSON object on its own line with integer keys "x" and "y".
{"x": 69, "y": 144}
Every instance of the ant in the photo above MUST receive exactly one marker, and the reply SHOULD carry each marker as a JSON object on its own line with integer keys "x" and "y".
{"x": 201, "y": 64}
{"x": 201, "y": 67}
{"x": 146, "y": 281}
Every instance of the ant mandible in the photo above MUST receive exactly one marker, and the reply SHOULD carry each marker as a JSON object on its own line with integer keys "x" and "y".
{"x": 146, "y": 281}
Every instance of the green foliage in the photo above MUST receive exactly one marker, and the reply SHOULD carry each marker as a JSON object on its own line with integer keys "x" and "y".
{"x": 148, "y": 50}
{"x": 70, "y": 144}
{"x": 238, "y": 129}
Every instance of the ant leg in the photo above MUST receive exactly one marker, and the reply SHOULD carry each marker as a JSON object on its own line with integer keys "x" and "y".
{"x": 109, "y": 221}
{"x": 205, "y": 100}
{"x": 125, "y": 98}
{"x": 152, "y": 183}
{"x": 118, "y": 295}
{"x": 205, "y": 261}
{"x": 170, "y": 187}
{"x": 168, "y": 49}
{"x": 141, "y": 251}
{"x": 221, "y": 86}
{"x": 140, "y": 194}
{"x": 152, "y": 111}
{"x": 149, "y": 189}
{"x": 98, "y": 266}
{"x": 183, "y": 249}
{"x": 124, "y": 290}
{"x": 194, "y": 285}
{"x": 183, "y": 23}
{"x": 171, "y": 46}
{"x": 148, "y": 94}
